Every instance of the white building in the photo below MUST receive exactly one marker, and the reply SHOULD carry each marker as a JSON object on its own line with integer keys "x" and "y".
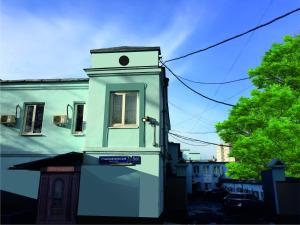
{"x": 205, "y": 174}
{"x": 247, "y": 186}
{"x": 223, "y": 154}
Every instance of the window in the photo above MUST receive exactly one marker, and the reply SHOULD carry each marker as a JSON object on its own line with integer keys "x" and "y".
{"x": 124, "y": 109}
{"x": 78, "y": 118}
{"x": 57, "y": 197}
{"x": 206, "y": 169}
{"x": 57, "y": 189}
{"x": 33, "y": 118}
{"x": 216, "y": 170}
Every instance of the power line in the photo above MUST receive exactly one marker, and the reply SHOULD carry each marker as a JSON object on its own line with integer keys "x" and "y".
{"x": 196, "y": 140}
{"x": 193, "y": 90}
{"x": 188, "y": 112}
{"x": 236, "y": 36}
{"x": 188, "y": 132}
{"x": 177, "y": 139}
{"x": 206, "y": 110}
{"x": 226, "y": 82}
{"x": 237, "y": 57}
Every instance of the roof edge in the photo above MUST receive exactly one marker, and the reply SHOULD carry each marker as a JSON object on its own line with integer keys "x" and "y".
{"x": 125, "y": 49}
{"x": 45, "y": 80}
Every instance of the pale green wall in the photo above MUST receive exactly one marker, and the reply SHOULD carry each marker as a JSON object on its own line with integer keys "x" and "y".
{"x": 55, "y": 139}
{"x": 16, "y": 149}
{"x": 104, "y": 190}
{"x": 106, "y": 60}
{"x": 121, "y": 190}
{"x": 20, "y": 182}
{"x": 123, "y": 137}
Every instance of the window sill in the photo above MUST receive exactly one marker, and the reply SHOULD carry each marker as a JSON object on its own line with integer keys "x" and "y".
{"x": 124, "y": 127}
{"x": 78, "y": 134}
{"x": 32, "y": 134}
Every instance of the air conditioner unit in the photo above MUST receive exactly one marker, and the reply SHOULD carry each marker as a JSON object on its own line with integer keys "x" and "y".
{"x": 8, "y": 119}
{"x": 60, "y": 119}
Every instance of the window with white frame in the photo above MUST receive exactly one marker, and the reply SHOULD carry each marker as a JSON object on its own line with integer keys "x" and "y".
{"x": 206, "y": 169}
{"x": 33, "y": 118}
{"x": 124, "y": 109}
{"x": 78, "y": 118}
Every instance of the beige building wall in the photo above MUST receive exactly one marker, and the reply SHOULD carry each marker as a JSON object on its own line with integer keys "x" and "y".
{"x": 223, "y": 154}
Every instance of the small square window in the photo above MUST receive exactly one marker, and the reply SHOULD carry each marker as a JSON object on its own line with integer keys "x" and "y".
{"x": 78, "y": 118}
{"x": 123, "y": 111}
{"x": 33, "y": 118}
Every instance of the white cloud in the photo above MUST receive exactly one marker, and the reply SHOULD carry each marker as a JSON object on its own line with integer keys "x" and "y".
{"x": 33, "y": 46}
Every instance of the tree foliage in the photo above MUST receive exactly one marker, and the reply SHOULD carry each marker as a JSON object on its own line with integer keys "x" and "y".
{"x": 267, "y": 125}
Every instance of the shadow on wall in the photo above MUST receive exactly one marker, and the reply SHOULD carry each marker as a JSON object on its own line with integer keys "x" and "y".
{"x": 53, "y": 137}
{"x": 16, "y": 209}
{"x": 117, "y": 191}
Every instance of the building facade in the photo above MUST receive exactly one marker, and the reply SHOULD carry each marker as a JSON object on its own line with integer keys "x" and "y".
{"x": 103, "y": 138}
{"x": 222, "y": 154}
{"x": 246, "y": 186}
{"x": 205, "y": 175}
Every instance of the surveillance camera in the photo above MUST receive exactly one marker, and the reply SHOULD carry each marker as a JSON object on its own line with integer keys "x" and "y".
{"x": 146, "y": 119}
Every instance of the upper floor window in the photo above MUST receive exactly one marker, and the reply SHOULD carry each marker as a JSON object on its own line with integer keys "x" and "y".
{"x": 33, "y": 118}
{"x": 206, "y": 169}
{"x": 124, "y": 109}
{"x": 78, "y": 118}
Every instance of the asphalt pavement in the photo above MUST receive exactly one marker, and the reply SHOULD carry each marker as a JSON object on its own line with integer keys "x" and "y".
{"x": 204, "y": 211}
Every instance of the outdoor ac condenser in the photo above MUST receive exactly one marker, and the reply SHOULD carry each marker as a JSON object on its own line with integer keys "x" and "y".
{"x": 60, "y": 119}
{"x": 8, "y": 119}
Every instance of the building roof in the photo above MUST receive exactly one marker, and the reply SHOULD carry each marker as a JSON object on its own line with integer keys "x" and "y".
{"x": 206, "y": 162}
{"x": 45, "y": 80}
{"x": 68, "y": 159}
{"x": 125, "y": 49}
{"x": 228, "y": 180}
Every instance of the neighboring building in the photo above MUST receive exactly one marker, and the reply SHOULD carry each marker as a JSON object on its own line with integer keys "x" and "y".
{"x": 247, "y": 186}
{"x": 174, "y": 156}
{"x": 89, "y": 147}
{"x": 282, "y": 195}
{"x": 189, "y": 155}
{"x": 223, "y": 154}
{"x": 206, "y": 174}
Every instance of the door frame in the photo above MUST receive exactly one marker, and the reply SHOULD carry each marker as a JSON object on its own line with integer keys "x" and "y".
{"x": 43, "y": 215}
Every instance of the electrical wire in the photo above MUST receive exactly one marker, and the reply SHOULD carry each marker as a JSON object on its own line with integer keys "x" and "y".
{"x": 196, "y": 140}
{"x": 188, "y": 132}
{"x": 236, "y": 36}
{"x": 188, "y": 112}
{"x": 236, "y": 59}
{"x": 226, "y": 82}
{"x": 193, "y": 90}
{"x": 206, "y": 110}
{"x": 177, "y": 139}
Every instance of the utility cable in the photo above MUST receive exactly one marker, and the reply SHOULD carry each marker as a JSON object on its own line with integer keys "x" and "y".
{"x": 177, "y": 139}
{"x": 225, "y": 82}
{"x": 206, "y": 110}
{"x": 193, "y": 90}
{"x": 236, "y": 36}
{"x": 236, "y": 58}
{"x": 188, "y": 132}
{"x": 196, "y": 140}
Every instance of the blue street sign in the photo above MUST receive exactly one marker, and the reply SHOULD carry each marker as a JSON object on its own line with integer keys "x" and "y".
{"x": 115, "y": 160}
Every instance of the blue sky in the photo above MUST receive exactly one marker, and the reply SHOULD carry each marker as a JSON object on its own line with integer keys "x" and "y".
{"x": 52, "y": 39}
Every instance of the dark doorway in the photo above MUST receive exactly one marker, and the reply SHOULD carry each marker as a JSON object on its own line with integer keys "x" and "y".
{"x": 58, "y": 195}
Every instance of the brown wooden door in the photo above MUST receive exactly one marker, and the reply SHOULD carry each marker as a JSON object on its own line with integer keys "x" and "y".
{"x": 58, "y": 197}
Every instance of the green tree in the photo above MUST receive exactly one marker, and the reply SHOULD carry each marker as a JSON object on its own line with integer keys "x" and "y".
{"x": 267, "y": 125}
